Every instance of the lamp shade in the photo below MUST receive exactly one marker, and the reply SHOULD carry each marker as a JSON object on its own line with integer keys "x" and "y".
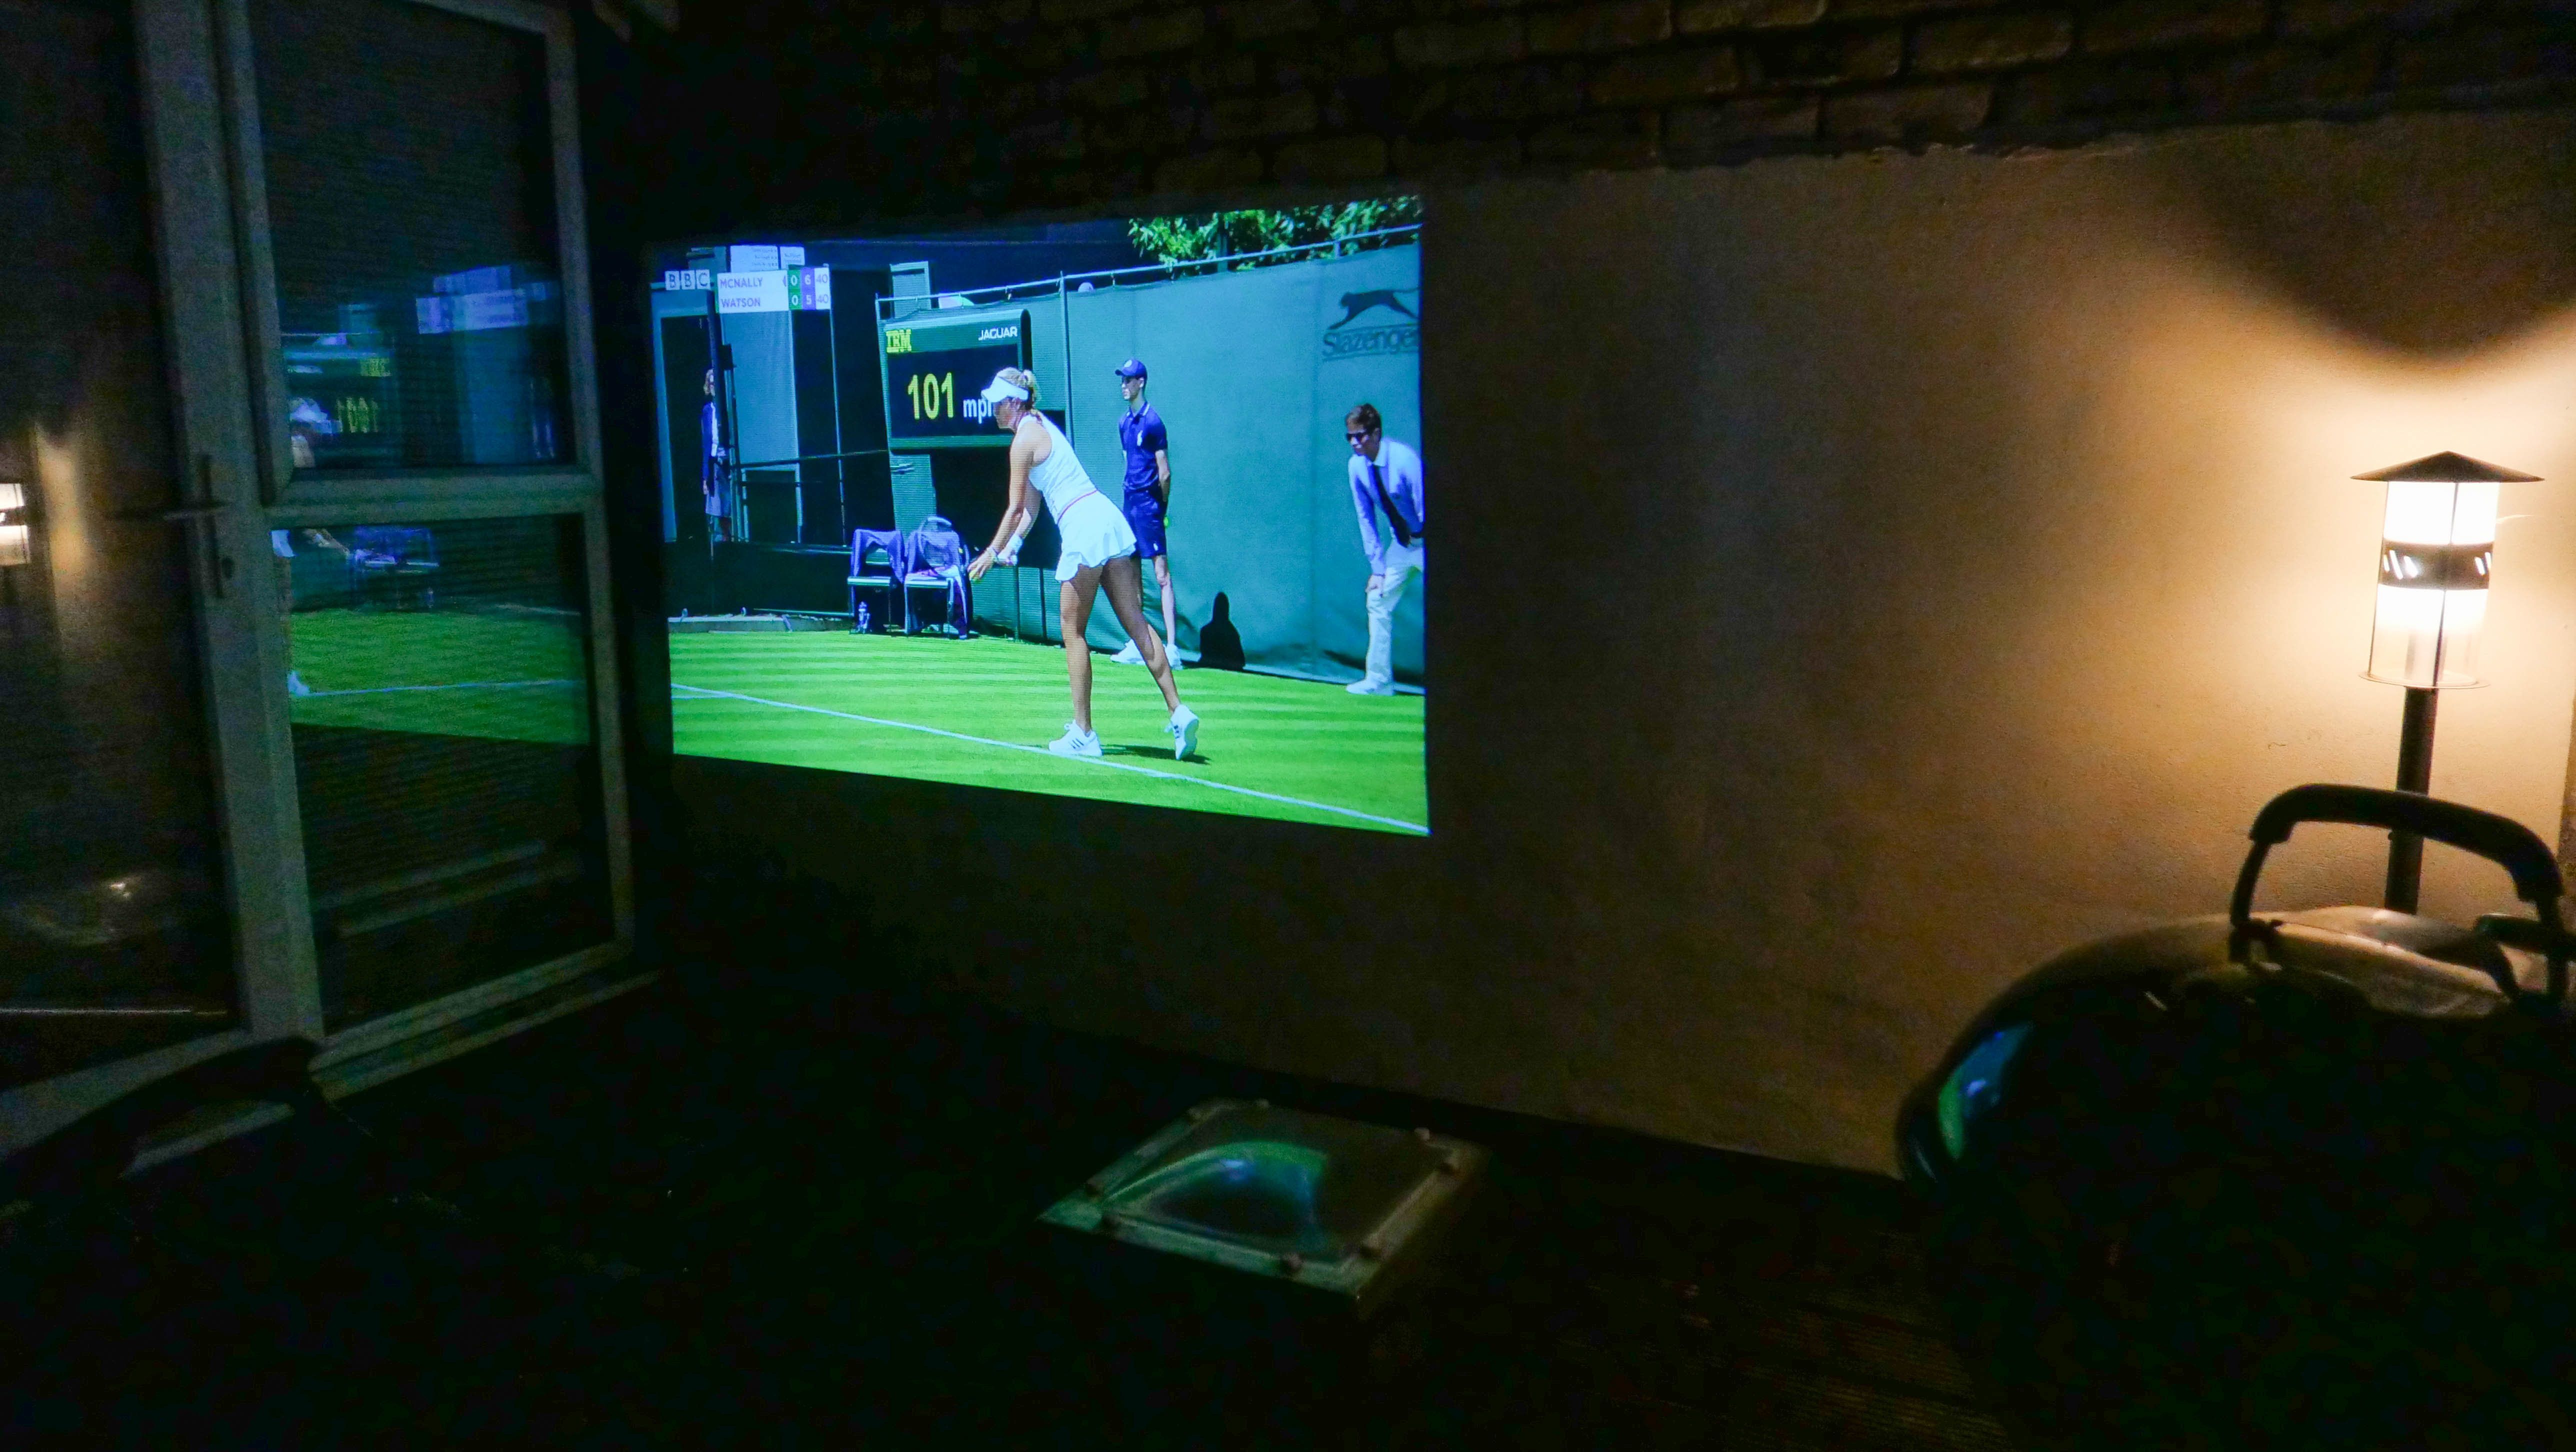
{"x": 13, "y": 544}
{"x": 2436, "y": 559}
{"x": 12, "y": 496}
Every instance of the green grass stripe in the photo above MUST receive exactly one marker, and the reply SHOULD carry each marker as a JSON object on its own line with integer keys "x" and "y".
{"x": 1331, "y": 754}
{"x": 514, "y": 677}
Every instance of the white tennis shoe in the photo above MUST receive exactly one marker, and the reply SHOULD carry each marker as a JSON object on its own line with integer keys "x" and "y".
{"x": 1075, "y": 742}
{"x": 1185, "y": 733}
{"x": 1364, "y": 686}
{"x": 295, "y": 685}
{"x": 1128, "y": 654}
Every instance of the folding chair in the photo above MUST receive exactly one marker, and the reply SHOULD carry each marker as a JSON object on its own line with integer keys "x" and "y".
{"x": 887, "y": 547}
{"x": 935, "y": 559}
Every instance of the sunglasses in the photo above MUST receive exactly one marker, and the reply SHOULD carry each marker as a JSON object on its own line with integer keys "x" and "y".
{"x": 1355, "y": 438}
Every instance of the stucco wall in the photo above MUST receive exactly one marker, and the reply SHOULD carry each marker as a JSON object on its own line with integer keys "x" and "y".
{"x": 1973, "y": 553}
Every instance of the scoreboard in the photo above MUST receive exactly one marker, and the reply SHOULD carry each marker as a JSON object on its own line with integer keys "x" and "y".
{"x": 345, "y": 402}
{"x": 935, "y": 372}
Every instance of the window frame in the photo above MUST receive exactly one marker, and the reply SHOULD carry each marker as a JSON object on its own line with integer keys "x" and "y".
{"x": 282, "y": 488}
{"x": 370, "y": 1036}
{"x": 276, "y": 994}
{"x": 465, "y": 492}
{"x": 227, "y": 387}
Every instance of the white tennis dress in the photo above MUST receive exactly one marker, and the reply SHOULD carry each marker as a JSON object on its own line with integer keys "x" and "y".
{"x": 1095, "y": 531}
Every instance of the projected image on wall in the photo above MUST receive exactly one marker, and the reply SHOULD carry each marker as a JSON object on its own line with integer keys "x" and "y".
{"x": 1130, "y": 510}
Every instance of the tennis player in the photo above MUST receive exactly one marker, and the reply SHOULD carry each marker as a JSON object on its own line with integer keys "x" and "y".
{"x": 1099, "y": 546}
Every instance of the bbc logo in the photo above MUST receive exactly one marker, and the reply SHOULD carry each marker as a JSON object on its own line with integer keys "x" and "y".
{"x": 688, "y": 280}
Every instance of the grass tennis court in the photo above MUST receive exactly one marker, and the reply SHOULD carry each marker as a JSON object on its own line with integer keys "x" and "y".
{"x": 971, "y": 713}
{"x": 515, "y": 675}
{"x": 980, "y": 712}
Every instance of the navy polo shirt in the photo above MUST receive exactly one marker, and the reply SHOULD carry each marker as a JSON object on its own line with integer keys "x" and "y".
{"x": 1140, "y": 433}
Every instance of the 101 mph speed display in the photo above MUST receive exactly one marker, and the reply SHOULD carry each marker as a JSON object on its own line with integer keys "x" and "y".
{"x": 935, "y": 372}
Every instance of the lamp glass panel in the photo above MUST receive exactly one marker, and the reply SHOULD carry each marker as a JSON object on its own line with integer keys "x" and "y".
{"x": 2428, "y": 638}
{"x": 2414, "y": 628}
{"x": 14, "y": 549}
{"x": 2440, "y": 513}
{"x": 12, "y": 496}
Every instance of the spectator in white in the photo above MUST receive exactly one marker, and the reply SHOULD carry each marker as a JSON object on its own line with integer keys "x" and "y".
{"x": 1386, "y": 478}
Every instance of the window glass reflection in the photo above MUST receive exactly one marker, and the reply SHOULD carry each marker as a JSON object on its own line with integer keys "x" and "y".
{"x": 114, "y": 937}
{"x": 446, "y": 764}
{"x": 412, "y": 231}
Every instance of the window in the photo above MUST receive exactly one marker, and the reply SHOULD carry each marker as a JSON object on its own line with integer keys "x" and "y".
{"x": 445, "y": 759}
{"x": 409, "y": 178}
{"x": 115, "y": 937}
{"x": 308, "y": 692}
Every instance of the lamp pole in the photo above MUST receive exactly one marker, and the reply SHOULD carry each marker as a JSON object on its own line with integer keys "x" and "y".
{"x": 2414, "y": 774}
{"x": 2436, "y": 560}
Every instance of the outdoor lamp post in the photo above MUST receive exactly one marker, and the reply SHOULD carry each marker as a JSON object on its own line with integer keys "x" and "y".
{"x": 2436, "y": 559}
{"x": 13, "y": 532}
{"x": 16, "y": 548}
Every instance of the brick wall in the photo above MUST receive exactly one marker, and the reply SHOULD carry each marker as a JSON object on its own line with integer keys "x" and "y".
{"x": 1013, "y": 104}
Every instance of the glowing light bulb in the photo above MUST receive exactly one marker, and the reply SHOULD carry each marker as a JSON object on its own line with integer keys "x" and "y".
{"x": 2436, "y": 559}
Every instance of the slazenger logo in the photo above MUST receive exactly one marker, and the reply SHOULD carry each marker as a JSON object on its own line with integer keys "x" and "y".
{"x": 1000, "y": 334}
{"x": 1356, "y": 303}
{"x": 1399, "y": 334}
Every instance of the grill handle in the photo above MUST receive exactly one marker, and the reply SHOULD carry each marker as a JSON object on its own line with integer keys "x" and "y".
{"x": 2500, "y": 840}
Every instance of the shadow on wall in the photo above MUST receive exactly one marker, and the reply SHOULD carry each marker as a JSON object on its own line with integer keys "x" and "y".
{"x": 2494, "y": 234}
{"x": 1220, "y": 644}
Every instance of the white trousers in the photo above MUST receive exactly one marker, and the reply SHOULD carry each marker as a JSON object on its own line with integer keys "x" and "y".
{"x": 1402, "y": 564}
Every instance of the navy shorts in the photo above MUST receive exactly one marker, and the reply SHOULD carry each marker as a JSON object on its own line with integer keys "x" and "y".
{"x": 1145, "y": 516}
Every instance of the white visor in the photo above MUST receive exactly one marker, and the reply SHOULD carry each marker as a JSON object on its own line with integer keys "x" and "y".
{"x": 1001, "y": 388}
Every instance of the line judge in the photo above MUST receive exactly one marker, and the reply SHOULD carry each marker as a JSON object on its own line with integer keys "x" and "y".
{"x": 1386, "y": 480}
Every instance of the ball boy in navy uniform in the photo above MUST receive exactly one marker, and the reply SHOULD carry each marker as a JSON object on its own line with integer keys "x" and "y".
{"x": 1149, "y": 498}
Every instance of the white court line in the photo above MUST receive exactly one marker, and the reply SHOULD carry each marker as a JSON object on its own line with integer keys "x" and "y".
{"x": 458, "y": 686}
{"x": 703, "y": 693}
